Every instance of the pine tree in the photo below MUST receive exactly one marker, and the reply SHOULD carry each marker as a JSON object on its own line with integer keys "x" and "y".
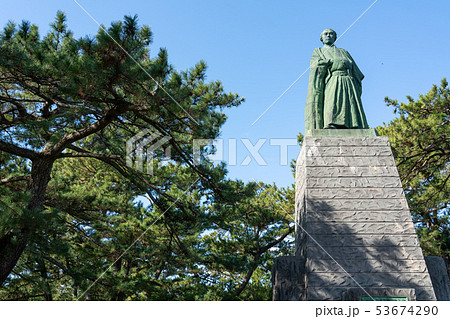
{"x": 63, "y": 97}
{"x": 72, "y": 222}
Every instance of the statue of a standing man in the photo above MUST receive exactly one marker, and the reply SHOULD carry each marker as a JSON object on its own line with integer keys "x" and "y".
{"x": 334, "y": 89}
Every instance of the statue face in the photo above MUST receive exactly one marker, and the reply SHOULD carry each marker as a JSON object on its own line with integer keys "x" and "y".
{"x": 328, "y": 37}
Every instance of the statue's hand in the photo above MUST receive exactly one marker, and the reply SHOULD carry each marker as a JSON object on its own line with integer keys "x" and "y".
{"x": 323, "y": 62}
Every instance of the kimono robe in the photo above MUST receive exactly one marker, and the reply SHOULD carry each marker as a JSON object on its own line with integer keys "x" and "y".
{"x": 334, "y": 91}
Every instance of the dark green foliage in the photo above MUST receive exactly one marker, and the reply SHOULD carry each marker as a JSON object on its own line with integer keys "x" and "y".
{"x": 68, "y": 106}
{"x": 420, "y": 139}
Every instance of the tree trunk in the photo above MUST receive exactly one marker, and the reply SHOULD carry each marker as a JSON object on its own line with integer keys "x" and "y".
{"x": 14, "y": 242}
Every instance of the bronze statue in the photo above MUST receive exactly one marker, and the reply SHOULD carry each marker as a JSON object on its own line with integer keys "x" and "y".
{"x": 334, "y": 89}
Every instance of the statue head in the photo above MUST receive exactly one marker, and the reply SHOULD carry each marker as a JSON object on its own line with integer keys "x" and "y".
{"x": 328, "y": 36}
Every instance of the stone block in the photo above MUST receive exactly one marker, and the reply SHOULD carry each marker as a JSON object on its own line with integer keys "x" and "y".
{"x": 355, "y": 193}
{"x": 353, "y": 161}
{"x": 288, "y": 279}
{"x": 337, "y": 182}
{"x": 355, "y": 294}
{"x": 365, "y": 253}
{"x": 357, "y": 204}
{"x": 367, "y": 228}
{"x": 350, "y": 171}
{"x": 347, "y": 151}
{"x": 417, "y": 294}
{"x": 358, "y": 216}
{"x": 425, "y": 294}
{"x": 343, "y": 141}
{"x": 390, "y": 279}
{"x": 364, "y": 240}
{"x": 364, "y": 266}
{"x": 439, "y": 277}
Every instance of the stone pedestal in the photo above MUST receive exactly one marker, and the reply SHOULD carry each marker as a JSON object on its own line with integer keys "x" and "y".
{"x": 439, "y": 277}
{"x": 354, "y": 233}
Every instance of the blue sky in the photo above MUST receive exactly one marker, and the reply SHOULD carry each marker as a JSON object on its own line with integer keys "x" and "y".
{"x": 257, "y": 48}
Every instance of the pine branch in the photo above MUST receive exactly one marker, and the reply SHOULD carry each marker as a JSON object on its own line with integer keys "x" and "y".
{"x": 108, "y": 117}
{"x": 19, "y": 151}
{"x": 257, "y": 255}
{"x": 14, "y": 179}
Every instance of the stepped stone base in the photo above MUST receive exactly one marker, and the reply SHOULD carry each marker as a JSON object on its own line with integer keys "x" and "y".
{"x": 354, "y": 233}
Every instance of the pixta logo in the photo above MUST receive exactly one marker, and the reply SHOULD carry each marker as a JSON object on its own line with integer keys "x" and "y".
{"x": 141, "y": 149}
{"x": 243, "y": 147}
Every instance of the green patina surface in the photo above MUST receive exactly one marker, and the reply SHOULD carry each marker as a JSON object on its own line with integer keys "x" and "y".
{"x": 334, "y": 88}
{"x": 341, "y": 132}
{"x": 383, "y": 298}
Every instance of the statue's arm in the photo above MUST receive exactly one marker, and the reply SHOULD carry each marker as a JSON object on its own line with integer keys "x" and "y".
{"x": 318, "y": 60}
{"x": 358, "y": 75}
{"x": 319, "y": 66}
{"x": 314, "y": 100}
